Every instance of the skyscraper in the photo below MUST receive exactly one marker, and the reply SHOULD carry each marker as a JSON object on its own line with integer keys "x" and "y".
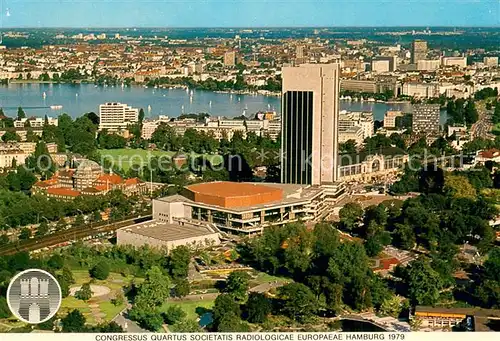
{"x": 418, "y": 51}
{"x": 310, "y": 124}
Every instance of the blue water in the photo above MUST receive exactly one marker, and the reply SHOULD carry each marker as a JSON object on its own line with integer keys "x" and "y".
{"x": 205, "y": 319}
{"x": 82, "y": 98}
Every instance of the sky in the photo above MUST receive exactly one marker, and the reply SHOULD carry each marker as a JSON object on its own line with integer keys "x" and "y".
{"x": 248, "y": 13}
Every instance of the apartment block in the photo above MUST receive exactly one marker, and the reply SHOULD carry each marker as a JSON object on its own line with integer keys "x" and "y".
{"x": 425, "y": 119}
{"x": 117, "y": 116}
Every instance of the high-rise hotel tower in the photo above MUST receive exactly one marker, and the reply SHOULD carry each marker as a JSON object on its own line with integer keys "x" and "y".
{"x": 310, "y": 111}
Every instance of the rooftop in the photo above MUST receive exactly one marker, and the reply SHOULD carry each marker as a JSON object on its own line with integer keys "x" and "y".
{"x": 167, "y": 232}
{"x": 230, "y": 189}
{"x": 292, "y": 194}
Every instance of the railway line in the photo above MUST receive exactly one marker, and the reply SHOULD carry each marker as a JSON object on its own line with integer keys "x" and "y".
{"x": 71, "y": 234}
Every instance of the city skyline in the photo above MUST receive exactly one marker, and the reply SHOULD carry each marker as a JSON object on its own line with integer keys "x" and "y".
{"x": 256, "y": 13}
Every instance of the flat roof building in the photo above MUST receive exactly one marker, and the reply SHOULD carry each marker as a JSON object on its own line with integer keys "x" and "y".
{"x": 418, "y": 51}
{"x": 159, "y": 234}
{"x": 242, "y": 208}
{"x": 425, "y": 119}
{"x": 117, "y": 116}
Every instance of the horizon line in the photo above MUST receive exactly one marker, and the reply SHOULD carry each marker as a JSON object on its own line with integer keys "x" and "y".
{"x": 248, "y": 27}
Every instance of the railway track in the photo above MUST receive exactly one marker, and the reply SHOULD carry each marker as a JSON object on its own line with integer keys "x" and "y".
{"x": 71, "y": 234}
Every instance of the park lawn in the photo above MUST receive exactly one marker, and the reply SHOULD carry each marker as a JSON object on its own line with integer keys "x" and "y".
{"x": 191, "y": 307}
{"x": 263, "y": 277}
{"x": 115, "y": 281}
{"x": 70, "y": 303}
{"x": 125, "y": 158}
{"x": 110, "y": 309}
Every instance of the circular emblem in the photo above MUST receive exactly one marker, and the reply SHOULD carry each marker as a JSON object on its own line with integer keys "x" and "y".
{"x": 34, "y": 296}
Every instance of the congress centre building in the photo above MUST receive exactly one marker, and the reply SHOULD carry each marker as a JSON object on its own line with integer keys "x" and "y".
{"x": 225, "y": 207}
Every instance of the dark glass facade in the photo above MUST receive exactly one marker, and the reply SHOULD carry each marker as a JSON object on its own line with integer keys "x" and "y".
{"x": 297, "y": 137}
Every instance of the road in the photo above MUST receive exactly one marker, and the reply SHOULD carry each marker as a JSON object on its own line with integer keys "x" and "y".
{"x": 482, "y": 128}
{"x": 74, "y": 233}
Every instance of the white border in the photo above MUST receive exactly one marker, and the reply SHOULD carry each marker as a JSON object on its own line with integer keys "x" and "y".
{"x": 16, "y": 313}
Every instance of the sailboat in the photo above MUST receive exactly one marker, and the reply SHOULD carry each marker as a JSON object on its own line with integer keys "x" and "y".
{"x": 210, "y": 104}
{"x": 182, "y": 109}
{"x": 44, "y": 95}
{"x": 187, "y": 90}
{"x": 149, "y": 108}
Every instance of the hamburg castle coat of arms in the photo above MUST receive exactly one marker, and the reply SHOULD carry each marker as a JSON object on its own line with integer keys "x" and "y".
{"x": 34, "y": 296}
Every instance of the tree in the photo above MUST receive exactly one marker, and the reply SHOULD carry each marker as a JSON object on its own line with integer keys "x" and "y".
{"x": 47, "y": 325}
{"x": 141, "y": 115}
{"x": 492, "y": 265}
{"x": 42, "y": 229}
{"x": 155, "y": 290}
{"x": 298, "y": 301}
{"x": 74, "y": 322}
{"x": 118, "y": 298}
{"x": 458, "y": 186}
{"x": 391, "y": 306}
{"x": 182, "y": 287}
{"x": 178, "y": 261}
{"x": 100, "y": 270}
{"x": 423, "y": 282}
{"x": 237, "y": 284}
{"x": 186, "y": 326}
{"x": 111, "y": 327}
{"x": 348, "y": 147}
{"x": 350, "y": 215}
{"x": 257, "y": 308}
{"x": 20, "y": 113}
{"x": 25, "y": 234}
{"x": 4, "y": 308}
{"x": 10, "y": 136}
{"x": 85, "y": 293}
{"x": 68, "y": 275}
{"x": 173, "y": 314}
{"x": 147, "y": 317}
{"x": 225, "y": 306}
{"x": 55, "y": 262}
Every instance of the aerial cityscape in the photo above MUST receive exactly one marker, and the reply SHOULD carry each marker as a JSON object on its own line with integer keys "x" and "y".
{"x": 249, "y": 177}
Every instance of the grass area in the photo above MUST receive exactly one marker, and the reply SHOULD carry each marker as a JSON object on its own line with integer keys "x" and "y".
{"x": 110, "y": 309}
{"x": 125, "y": 158}
{"x": 496, "y": 128}
{"x": 114, "y": 282}
{"x": 70, "y": 303}
{"x": 263, "y": 277}
{"x": 193, "y": 309}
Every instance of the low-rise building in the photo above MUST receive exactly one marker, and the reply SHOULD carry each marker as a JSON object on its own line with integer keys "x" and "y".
{"x": 490, "y": 61}
{"x": 34, "y": 122}
{"x": 354, "y": 85}
{"x": 367, "y": 166}
{"x": 455, "y": 61}
{"x": 428, "y": 65}
{"x": 473, "y": 319}
{"x": 364, "y": 120}
{"x": 88, "y": 178}
{"x": 242, "y": 208}
{"x": 159, "y": 234}
{"x": 421, "y": 90}
{"x": 11, "y": 155}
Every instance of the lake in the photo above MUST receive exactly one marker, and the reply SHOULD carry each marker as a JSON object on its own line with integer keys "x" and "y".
{"x": 81, "y": 98}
